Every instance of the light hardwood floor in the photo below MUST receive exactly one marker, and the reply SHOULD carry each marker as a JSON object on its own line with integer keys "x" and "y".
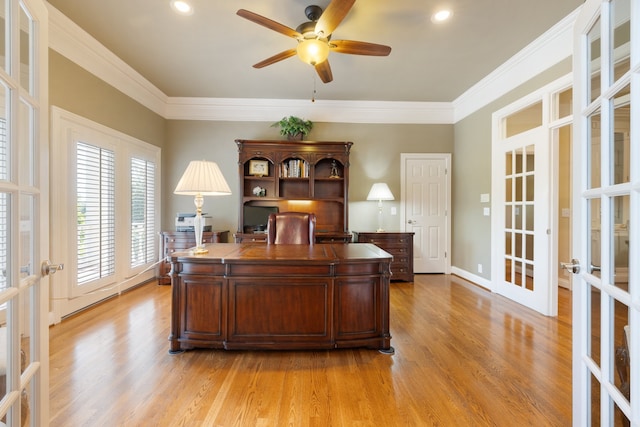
{"x": 464, "y": 357}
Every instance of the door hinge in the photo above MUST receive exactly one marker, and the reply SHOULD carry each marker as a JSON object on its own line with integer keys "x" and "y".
{"x": 445, "y": 254}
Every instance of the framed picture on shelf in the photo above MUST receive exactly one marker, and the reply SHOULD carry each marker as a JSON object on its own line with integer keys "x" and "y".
{"x": 259, "y": 167}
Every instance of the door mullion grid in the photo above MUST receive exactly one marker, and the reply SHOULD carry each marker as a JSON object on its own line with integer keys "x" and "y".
{"x": 608, "y": 394}
{"x": 583, "y": 364}
{"x": 634, "y": 226}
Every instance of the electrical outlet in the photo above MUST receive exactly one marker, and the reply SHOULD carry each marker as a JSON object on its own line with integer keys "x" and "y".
{"x": 479, "y": 268}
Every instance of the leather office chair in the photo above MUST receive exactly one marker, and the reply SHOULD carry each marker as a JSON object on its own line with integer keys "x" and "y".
{"x": 298, "y": 228}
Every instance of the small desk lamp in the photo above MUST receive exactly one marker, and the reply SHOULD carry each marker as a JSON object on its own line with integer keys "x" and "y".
{"x": 380, "y": 191}
{"x": 201, "y": 178}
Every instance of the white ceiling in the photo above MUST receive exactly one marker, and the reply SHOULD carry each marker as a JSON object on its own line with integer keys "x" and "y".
{"x": 211, "y": 53}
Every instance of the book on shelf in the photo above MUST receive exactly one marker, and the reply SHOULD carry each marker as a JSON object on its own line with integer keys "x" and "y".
{"x": 294, "y": 168}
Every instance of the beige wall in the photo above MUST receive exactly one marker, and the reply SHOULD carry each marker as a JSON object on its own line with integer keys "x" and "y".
{"x": 375, "y": 156}
{"x": 76, "y": 90}
{"x": 471, "y": 240}
{"x": 375, "y": 153}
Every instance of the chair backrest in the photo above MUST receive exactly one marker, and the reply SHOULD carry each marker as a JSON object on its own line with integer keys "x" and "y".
{"x": 298, "y": 228}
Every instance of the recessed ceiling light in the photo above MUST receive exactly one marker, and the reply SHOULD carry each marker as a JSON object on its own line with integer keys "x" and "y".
{"x": 441, "y": 15}
{"x": 182, "y": 7}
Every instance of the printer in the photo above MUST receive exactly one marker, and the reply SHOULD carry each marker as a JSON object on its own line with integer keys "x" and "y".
{"x": 185, "y": 221}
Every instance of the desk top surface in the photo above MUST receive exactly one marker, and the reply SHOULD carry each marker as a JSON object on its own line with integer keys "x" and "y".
{"x": 228, "y": 253}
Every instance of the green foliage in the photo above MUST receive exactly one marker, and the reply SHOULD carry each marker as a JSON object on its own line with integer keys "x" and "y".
{"x": 291, "y": 126}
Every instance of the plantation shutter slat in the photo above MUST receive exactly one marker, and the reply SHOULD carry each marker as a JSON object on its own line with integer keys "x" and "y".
{"x": 142, "y": 212}
{"x": 95, "y": 190}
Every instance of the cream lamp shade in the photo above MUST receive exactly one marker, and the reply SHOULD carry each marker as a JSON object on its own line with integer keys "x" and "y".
{"x": 380, "y": 191}
{"x": 201, "y": 178}
{"x": 204, "y": 178}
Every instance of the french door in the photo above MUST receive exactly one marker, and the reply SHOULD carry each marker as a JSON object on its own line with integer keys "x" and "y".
{"x": 24, "y": 208}
{"x": 521, "y": 205}
{"x": 606, "y": 224}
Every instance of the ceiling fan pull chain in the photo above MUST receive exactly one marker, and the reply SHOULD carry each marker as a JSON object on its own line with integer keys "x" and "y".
{"x": 313, "y": 96}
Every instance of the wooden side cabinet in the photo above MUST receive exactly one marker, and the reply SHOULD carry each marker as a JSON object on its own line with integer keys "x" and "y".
{"x": 400, "y": 245}
{"x": 172, "y": 241}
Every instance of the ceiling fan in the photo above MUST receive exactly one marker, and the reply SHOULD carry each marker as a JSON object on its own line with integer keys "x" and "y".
{"x": 314, "y": 37}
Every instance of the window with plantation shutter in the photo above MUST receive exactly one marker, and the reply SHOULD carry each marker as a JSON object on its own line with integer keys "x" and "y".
{"x": 95, "y": 195}
{"x": 107, "y": 215}
{"x": 143, "y": 246}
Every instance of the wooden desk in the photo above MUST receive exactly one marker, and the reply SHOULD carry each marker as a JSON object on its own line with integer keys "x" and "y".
{"x": 257, "y": 296}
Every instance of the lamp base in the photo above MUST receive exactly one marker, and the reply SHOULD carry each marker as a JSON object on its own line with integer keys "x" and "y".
{"x": 199, "y": 251}
{"x": 380, "y": 230}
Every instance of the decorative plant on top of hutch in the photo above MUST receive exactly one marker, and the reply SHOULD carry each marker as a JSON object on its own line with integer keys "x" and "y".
{"x": 294, "y": 128}
{"x": 303, "y": 176}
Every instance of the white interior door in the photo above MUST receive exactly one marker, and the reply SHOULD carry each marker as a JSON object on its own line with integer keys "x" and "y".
{"x": 426, "y": 203}
{"x": 24, "y": 208}
{"x": 606, "y": 224}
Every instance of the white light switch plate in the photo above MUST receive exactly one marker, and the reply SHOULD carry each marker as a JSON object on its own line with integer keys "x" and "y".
{"x": 484, "y": 198}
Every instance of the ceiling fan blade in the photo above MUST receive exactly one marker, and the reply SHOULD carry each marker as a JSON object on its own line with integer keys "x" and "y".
{"x": 270, "y": 24}
{"x": 324, "y": 71}
{"x": 359, "y": 48}
{"x": 333, "y": 16}
{"x": 276, "y": 58}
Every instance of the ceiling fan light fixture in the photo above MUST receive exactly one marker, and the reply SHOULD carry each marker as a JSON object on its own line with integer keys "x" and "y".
{"x": 312, "y": 51}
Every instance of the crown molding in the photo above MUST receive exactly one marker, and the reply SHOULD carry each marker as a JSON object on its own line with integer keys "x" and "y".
{"x": 550, "y": 48}
{"x": 71, "y": 41}
{"x": 68, "y": 39}
{"x": 249, "y": 109}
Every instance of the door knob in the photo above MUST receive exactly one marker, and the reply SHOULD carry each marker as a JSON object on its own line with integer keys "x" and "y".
{"x": 572, "y": 267}
{"x": 48, "y": 268}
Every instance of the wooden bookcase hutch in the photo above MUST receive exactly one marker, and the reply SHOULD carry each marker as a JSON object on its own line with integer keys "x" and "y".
{"x": 301, "y": 176}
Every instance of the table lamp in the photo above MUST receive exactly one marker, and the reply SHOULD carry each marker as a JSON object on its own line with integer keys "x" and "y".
{"x": 201, "y": 178}
{"x": 380, "y": 191}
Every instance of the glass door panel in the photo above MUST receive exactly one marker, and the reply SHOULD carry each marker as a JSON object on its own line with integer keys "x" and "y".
{"x": 593, "y": 61}
{"x": 594, "y": 150}
{"x": 596, "y": 237}
{"x": 621, "y": 36}
{"x": 26, "y": 51}
{"x": 619, "y": 243}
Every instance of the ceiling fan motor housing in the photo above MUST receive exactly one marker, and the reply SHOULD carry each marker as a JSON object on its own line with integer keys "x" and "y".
{"x": 313, "y": 12}
{"x": 308, "y": 29}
